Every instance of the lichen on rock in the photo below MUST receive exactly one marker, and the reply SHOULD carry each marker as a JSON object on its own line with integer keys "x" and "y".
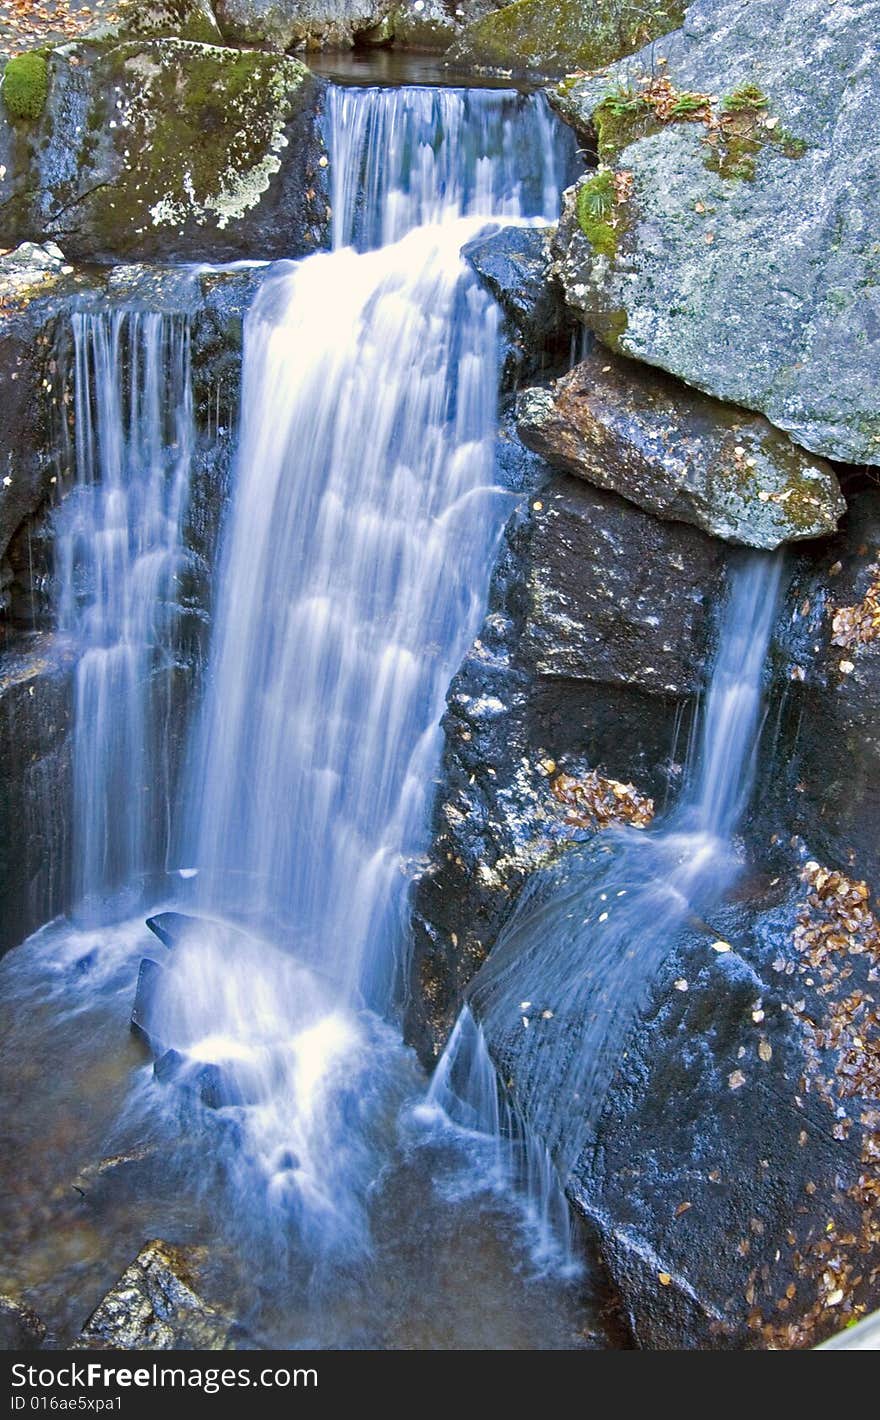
{"x": 169, "y": 147}
{"x": 679, "y": 454}
{"x": 569, "y": 34}
{"x": 751, "y": 267}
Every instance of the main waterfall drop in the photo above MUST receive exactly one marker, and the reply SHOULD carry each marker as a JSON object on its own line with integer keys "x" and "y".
{"x": 354, "y": 573}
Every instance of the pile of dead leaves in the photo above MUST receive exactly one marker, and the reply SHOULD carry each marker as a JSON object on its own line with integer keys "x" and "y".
{"x": 857, "y": 625}
{"x": 836, "y": 934}
{"x": 596, "y": 802}
{"x": 24, "y": 24}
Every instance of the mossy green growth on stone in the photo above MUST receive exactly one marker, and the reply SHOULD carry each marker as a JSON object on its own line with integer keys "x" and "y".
{"x": 595, "y": 209}
{"x": 180, "y": 19}
{"x": 26, "y": 85}
{"x": 200, "y": 132}
{"x": 745, "y": 128}
{"x": 620, "y": 119}
{"x": 567, "y": 34}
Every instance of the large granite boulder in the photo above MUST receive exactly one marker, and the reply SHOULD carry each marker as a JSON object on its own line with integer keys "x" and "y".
{"x": 299, "y": 24}
{"x": 582, "y": 683}
{"x": 166, "y": 149}
{"x": 734, "y": 241}
{"x": 531, "y": 35}
{"x": 679, "y": 454}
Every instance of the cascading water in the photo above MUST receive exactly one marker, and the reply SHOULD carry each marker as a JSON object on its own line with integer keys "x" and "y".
{"x": 279, "y": 1121}
{"x": 551, "y": 1008}
{"x": 354, "y": 573}
{"x": 120, "y": 551}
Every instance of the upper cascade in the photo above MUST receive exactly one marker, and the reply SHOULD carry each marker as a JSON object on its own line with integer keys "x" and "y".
{"x": 407, "y": 157}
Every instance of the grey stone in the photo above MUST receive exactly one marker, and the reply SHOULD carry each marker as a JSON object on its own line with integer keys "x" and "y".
{"x": 592, "y": 655}
{"x": 680, "y": 455}
{"x": 762, "y": 289}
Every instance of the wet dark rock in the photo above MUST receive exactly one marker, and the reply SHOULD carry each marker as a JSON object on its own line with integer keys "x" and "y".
{"x": 214, "y": 1086}
{"x": 679, "y": 454}
{"x": 27, "y": 469}
{"x": 168, "y": 149}
{"x": 513, "y": 265}
{"x": 824, "y": 779}
{"x": 36, "y": 710}
{"x": 724, "y": 1184}
{"x": 745, "y": 262}
{"x": 20, "y": 1327}
{"x": 593, "y": 652}
{"x": 149, "y": 976}
{"x": 172, "y": 928}
{"x": 154, "y": 1306}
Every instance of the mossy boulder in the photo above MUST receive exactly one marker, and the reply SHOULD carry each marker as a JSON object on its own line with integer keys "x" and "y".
{"x": 679, "y": 454}
{"x": 180, "y": 19}
{"x": 566, "y": 35}
{"x": 749, "y": 265}
{"x": 169, "y": 149}
{"x": 26, "y": 86}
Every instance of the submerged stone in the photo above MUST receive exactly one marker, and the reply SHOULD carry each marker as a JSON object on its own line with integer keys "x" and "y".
{"x": 154, "y": 1306}
{"x": 744, "y": 259}
{"x": 680, "y": 455}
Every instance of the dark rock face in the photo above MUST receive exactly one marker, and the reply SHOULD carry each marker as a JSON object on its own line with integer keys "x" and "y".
{"x": 729, "y": 1183}
{"x": 155, "y": 1307}
{"x": 591, "y": 657}
{"x": 825, "y": 776}
{"x": 36, "y": 712}
{"x": 27, "y": 321}
{"x": 168, "y": 149}
{"x": 514, "y": 266}
{"x": 743, "y": 258}
{"x": 679, "y": 454}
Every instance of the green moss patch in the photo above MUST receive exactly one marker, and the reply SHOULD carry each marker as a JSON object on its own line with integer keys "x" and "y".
{"x": 595, "y": 212}
{"x": 736, "y": 132}
{"x": 534, "y": 34}
{"x": 26, "y": 86}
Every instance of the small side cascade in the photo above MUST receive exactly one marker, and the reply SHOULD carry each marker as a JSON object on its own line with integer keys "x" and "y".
{"x": 571, "y": 971}
{"x": 120, "y": 551}
{"x": 466, "y": 1091}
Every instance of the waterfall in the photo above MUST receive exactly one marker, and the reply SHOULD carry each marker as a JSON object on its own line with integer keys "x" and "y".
{"x": 120, "y": 550}
{"x": 354, "y": 573}
{"x": 422, "y": 156}
{"x": 571, "y": 971}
